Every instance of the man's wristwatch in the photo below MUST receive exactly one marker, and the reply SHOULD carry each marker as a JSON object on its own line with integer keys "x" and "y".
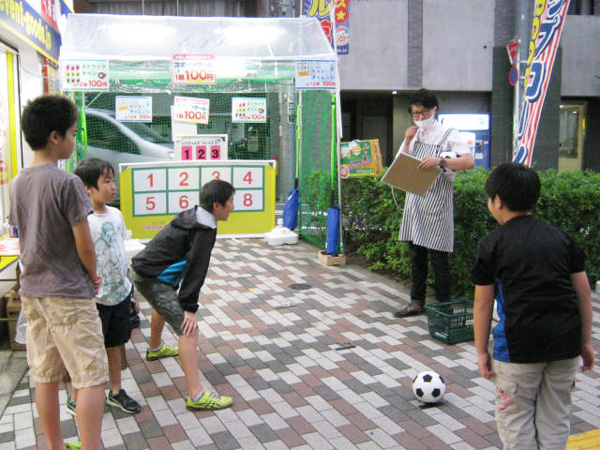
{"x": 442, "y": 163}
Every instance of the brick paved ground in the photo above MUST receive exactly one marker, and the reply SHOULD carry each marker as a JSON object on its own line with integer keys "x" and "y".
{"x": 275, "y": 326}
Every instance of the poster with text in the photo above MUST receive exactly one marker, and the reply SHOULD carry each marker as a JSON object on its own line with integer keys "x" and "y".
{"x": 315, "y": 75}
{"x": 84, "y": 75}
{"x": 191, "y": 110}
{"x": 133, "y": 108}
{"x": 248, "y": 110}
{"x": 193, "y": 68}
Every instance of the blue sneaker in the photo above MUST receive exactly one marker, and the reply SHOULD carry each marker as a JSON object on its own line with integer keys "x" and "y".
{"x": 71, "y": 404}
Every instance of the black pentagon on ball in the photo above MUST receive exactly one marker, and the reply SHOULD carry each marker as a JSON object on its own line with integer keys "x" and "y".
{"x": 435, "y": 393}
{"x": 419, "y": 392}
{"x": 427, "y": 378}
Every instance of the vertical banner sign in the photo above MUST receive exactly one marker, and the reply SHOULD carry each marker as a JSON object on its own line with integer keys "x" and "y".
{"x": 548, "y": 21}
{"x": 340, "y": 16}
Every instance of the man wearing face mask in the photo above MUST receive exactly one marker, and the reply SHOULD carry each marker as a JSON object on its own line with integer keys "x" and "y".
{"x": 428, "y": 222}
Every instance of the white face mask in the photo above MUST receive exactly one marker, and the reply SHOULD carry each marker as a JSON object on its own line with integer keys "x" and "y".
{"x": 426, "y": 123}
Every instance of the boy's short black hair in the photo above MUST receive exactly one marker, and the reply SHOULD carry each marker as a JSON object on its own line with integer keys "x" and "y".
{"x": 423, "y": 97}
{"x": 46, "y": 114}
{"x": 215, "y": 191}
{"x": 518, "y": 186}
{"x": 90, "y": 170}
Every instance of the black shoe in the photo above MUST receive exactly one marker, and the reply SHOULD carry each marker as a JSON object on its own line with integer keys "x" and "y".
{"x": 413, "y": 309}
{"x": 123, "y": 401}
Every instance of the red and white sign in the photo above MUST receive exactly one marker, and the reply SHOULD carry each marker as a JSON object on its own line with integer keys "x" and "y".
{"x": 193, "y": 68}
{"x": 512, "y": 48}
{"x": 191, "y": 110}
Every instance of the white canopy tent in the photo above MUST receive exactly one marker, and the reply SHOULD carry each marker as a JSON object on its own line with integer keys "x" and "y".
{"x": 245, "y": 48}
{"x": 252, "y": 57}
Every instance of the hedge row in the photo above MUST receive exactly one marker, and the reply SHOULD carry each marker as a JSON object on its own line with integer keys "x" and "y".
{"x": 372, "y": 216}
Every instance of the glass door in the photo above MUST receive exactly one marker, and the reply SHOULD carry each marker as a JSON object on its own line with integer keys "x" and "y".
{"x": 571, "y": 137}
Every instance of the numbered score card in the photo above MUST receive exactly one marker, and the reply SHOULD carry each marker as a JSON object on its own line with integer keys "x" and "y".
{"x": 153, "y": 193}
{"x": 202, "y": 147}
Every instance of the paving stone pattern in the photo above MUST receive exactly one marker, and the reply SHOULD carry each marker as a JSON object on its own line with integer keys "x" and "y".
{"x": 313, "y": 359}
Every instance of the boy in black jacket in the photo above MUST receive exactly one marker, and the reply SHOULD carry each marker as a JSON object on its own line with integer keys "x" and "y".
{"x": 180, "y": 252}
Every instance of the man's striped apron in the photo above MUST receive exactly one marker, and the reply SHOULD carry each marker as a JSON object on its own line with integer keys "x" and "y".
{"x": 429, "y": 221}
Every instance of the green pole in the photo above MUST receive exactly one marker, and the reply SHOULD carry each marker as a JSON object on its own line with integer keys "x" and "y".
{"x": 333, "y": 172}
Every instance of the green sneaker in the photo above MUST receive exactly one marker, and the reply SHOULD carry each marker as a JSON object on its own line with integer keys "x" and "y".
{"x": 209, "y": 401}
{"x": 164, "y": 352}
{"x": 75, "y": 446}
{"x": 71, "y": 407}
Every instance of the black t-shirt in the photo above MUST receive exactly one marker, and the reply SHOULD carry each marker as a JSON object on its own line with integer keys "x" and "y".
{"x": 531, "y": 263}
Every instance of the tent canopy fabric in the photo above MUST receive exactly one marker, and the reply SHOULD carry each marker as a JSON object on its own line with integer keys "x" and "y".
{"x": 155, "y": 38}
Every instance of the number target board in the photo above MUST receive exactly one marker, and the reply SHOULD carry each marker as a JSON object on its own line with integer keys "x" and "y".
{"x": 153, "y": 193}
{"x": 202, "y": 147}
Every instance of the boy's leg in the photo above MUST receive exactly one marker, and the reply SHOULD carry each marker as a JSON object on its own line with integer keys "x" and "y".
{"x": 517, "y": 387}
{"x": 188, "y": 355}
{"x": 90, "y": 409}
{"x": 163, "y": 299}
{"x": 45, "y": 366}
{"x": 197, "y": 397}
{"x": 157, "y": 324}
{"x": 114, "y": 368}
{"x": 552, "y": 416}
{"x": 46, "y": 402}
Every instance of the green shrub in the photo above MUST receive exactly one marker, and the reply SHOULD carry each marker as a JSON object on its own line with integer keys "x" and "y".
{"x": 570, "y": 201}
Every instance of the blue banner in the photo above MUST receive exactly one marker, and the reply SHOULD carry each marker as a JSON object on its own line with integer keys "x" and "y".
{"x": 334, "y": 21}
{"x": 21, "y": 19}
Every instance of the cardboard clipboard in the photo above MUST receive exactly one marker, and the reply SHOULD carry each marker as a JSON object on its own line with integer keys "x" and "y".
{"x": 403, "y": 174}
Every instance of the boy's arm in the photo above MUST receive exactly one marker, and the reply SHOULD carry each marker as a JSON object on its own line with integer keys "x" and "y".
{"x": 85, "y": 250}
{"x": 584, "y": 297}
{"x": 482, "y": 319}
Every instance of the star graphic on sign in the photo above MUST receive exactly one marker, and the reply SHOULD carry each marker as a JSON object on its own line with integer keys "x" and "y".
{"x": 341, "y": 15}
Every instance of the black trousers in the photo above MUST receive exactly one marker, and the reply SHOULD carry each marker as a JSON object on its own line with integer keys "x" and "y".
{"x": 419, "y": 267}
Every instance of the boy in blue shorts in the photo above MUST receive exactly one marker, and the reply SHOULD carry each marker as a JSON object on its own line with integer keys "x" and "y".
{"x": 58, "y": 273}
{"x": 114, "y": 298}
{"x": 181, "y": 252}
{"x": 536, "y": 274}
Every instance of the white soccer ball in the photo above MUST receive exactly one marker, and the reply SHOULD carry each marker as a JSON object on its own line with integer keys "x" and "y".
{"x": 429, "y": 387}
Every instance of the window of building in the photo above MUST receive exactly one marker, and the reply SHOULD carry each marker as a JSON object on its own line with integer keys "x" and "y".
{"x": 581, "y": 7}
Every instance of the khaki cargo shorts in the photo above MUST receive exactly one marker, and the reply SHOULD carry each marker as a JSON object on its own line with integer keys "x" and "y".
{"x": 65, "y": 333}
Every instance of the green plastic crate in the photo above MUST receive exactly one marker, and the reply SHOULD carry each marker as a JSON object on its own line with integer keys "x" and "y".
{"x": 451, "y": 322}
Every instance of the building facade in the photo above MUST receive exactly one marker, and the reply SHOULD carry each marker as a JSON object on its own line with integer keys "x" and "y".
{"x": 457, "y": 49}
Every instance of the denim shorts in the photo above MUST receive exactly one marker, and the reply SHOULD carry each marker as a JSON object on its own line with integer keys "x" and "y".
{"x": 163, "y": 299}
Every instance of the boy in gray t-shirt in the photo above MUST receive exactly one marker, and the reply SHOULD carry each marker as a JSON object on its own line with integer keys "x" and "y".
{"x": 58, "y": 273}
